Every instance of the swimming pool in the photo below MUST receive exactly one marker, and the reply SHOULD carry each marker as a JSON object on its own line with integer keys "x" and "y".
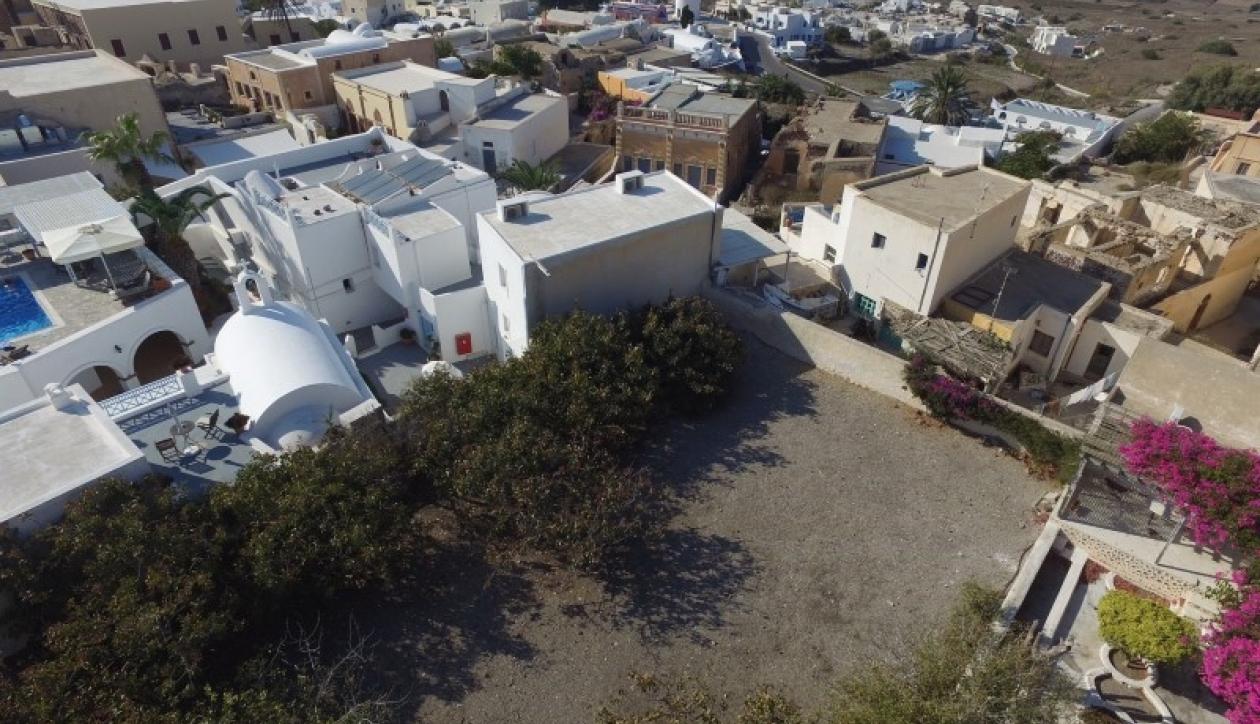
{"x": 20, "y": 311}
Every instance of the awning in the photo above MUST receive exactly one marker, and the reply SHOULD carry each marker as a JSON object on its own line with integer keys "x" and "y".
{"x": 87, "y": 241}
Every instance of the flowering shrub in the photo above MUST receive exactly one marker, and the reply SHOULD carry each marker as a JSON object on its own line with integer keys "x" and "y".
{"x": 1218, "y": 489}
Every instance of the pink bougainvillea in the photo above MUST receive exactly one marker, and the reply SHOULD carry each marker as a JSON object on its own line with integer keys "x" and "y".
{"x": 1218, "y": 489}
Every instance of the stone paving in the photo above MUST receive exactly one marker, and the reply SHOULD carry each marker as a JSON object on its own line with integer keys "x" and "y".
{"x": 72, "y": 308}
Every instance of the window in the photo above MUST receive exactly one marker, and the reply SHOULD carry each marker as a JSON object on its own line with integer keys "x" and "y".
{"x": 678, "y": 170}
{"x": 1242, "y": 169}
{"x": 502, "y": 277}
{"x": 294, "y": 37}
{"x": 119, "y": 50}
{"x": 274, "y": 39}
{"x": 877, "y": 241}
{"x": 308, "y": 95}
{"x": 336, "y": 65}
{"x": 252, "y": 76}
{"x": 1041, "y": 344}
{"x": 221, "y": 31}
{"x": 645, "y": 164}
{"x": 193, "y": 38}
{"x": 829, "y": 253}
{"x": 627, "y": 163}
{"x": 710, "y": 176}
{"x": 376, "y": 58}
{"x": 1013, "y": 220}
{"x": 921, "y": 263}
{"x": 164, "y": 40}
{"x": 507, "y": 324}
{"x": 693, "y": 176}
{"x": 660, "y": 165}
{"x": 347, "y": 285}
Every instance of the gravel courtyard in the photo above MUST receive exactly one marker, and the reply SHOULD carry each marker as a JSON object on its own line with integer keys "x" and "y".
{"x": 820, "y": 525}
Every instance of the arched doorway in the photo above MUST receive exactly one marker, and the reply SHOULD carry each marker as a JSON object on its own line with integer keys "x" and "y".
{"x": 444, "y": 101}
{"x": 101, "y": 382}
{"x": 158, "y": 356}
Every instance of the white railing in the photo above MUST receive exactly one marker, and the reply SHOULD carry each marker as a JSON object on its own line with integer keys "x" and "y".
{"x": 142, "y": 398}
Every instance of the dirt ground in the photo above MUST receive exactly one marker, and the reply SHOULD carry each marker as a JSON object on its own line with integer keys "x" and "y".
{"x": 985, "y": 80}
{"x": 1175, "y": 29}
{"x": 819, "y": 525}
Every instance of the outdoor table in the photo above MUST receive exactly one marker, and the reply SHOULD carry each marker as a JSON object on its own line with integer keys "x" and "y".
{"x": 182, "y": 429}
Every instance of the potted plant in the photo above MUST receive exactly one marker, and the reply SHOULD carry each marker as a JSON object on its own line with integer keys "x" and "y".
{"x": 1143, "y": 633}
{"x": 407, "y": 335}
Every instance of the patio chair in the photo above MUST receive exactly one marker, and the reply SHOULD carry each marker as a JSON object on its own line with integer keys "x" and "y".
{"x": 209, "y": 423}
{"x": 168, "y": 449}
{"x": 12, "y": 354}
{"x": 134, "y": 290}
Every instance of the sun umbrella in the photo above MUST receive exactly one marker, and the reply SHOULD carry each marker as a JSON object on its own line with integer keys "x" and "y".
{"x": 85, "y": 241}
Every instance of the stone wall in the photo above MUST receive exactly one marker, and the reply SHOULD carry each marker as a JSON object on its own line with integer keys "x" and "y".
{"x": 1128, "y": 566}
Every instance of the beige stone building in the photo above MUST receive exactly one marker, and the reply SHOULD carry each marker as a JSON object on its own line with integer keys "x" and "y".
{"x": 47, "y": 103}
{"x": 182, "y": 31}
{"x": 831, "y": 144}
{"x": 299, "y": 75}
{"x": 1239, "y": 155}
{"x": 704, "y": 138}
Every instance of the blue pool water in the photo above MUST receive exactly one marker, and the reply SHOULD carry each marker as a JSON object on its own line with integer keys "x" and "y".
{"x": 20, "y": 312}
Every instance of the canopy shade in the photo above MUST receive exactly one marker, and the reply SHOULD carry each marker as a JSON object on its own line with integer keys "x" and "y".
{"x": 77, "y": 243}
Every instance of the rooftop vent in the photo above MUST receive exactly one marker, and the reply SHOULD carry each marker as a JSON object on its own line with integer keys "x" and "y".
{"x": 328, "y": 208}
{"x": 512, "y": 210}
{"x": 629, "y": 182}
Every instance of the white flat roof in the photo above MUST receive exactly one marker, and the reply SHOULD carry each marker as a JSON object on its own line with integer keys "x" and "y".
{"x": 37, "y": 75}
{"x": 59, "y": 212}
{"x": 229, "y": 150}
{"x": 743, "y": 241}
{"x": 12, "y": 197}
{"x": 559, "y": 224}
{"x": 397, "y": 79}
{"x": 48, "y": 452}
{"x": 510, "y": 115}
{"x": 98, "y": 4}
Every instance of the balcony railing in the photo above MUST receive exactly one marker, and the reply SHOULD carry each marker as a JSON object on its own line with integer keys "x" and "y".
{"x": 140, "y": 399}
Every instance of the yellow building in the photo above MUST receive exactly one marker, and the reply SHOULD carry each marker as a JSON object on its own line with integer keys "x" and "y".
{"x": 183, "y": 31}
{"x": 1239, "y": 155}
{"x": 704, "y": 138}
{"x": 299, "y": 75}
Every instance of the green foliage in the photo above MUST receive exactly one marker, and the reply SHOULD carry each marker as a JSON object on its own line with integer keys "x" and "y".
{"x": 880, "y": 48}
{"x": 1167, "y": 139}
{"x": 874, "y": 35}
{"x": 942, "y": 96}
{"x": 686, "y": 17}
{"x": 838, "y": 34}
{"x": 326, "y": 26}
{"x": 523, "y": 60}
{"x": 1218, "y": 47}
{"x": 165, "y": 221}
{"x": 1235, "y": 87}
{"x": 127, "y": 148}
{"x": 1032, "y": 158}
{"x": 771, "y": 88}
{"x": 530, "y": 452}
{"x": 656, "y": 700}
{"x": 1145, "y": 629}
{"x": 443, "y": 48}
{"x": 958, "y": 675}
{"x": 526, "y": 176}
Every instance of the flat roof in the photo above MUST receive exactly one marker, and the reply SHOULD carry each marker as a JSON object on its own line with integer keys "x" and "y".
{"x": 743, "y": 241}
{"x": 1019, "y": 282}
{"x": 930, "y": 195}
{"x": 421, "y": 220}
{"x": 60, "y": 212}
{"x": 213, "y": 153}
{"x": 512, "y": 114}
{"x": 13, "y": 196}
{"x": 48, "y": 452}
{"x": 270, "y": 60}
{"x": 398, "y": 78}
{"x": 100, "y": 4}
{"x": 560, "y": 224}
{"x": 35, "y": 75}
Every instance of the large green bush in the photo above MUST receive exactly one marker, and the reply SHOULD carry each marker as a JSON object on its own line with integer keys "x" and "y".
{"x": 1167, "y": 139}
{"x": 1236, "y": 87}
{"x": 694, "y": 351}
{"x": 1145, "y": 629}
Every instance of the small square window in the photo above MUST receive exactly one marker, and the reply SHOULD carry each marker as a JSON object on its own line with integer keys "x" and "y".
{"x": 921, "y": 263}
{"x": 829, "y": 253}
{"x": 118, "y": 48}
{"x": 221, "y": 31}
{"x": 308, "y": 95}
{"x": 507, "y": 323}
{"x": 194, "y": 38}
{"x": 164, "y": 40}
{"x": 678, "y": 170}
{"x": 347, "y": 285}
{"x": 1041, "y": 344}
{"x": 502, "y": 277}
{"x": 1242, "y": 169}
{"x": 710, "y": 176}
{"x": 274, "y": 39}
{"x": 660, "y": 165}
{"x": 877, "y": 241}
{"x": 645, "y": 164}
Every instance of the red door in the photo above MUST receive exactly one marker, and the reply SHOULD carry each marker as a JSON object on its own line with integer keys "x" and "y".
{"x": 463, "y": 343}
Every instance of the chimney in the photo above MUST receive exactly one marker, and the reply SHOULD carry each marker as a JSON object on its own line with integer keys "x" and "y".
{"x": 513, "y": 209}
{"x": 629, "y": 181}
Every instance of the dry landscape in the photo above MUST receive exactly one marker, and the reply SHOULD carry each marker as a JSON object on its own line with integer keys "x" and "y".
{"x": 820, "y": 524}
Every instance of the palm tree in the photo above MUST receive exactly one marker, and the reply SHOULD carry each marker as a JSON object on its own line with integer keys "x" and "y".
{"x": 126, "y": 146}
{"x": 529, "y": 177}
{"x": 169, "y": 218}
{"x": 941, "y": 99}
{"x": 276, "y": 10}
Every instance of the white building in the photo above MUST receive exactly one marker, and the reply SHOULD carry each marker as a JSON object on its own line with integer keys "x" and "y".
{"x": 1085, "y": 134}
{"x": 81, "y": 329}
{"x": 912, "y": 237}
{"x": 706, "y": 51}
{"x": 933, "y": 37}
{"x": 783, "y": 24}
{"x": 488, "y": 12}
{"x": 55, "y": 446}
{"x": 655, "y": 237}
{"x": 488, "y": 123}
{"x": 1054, "y": 40}
{"x": 909, "y": 142}
{"x": 1000, "y": 13}
{"x": 363, "y": 232}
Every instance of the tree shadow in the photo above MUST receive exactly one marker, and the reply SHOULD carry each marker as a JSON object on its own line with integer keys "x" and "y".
{"x": 449, "y": 615}
{"x": 688, "y": 454}
{"x": 681, "y": 582}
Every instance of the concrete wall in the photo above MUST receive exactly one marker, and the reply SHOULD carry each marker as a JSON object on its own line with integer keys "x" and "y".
{"x": 1096, "y": 332}
{"x": 504, "y": 274}
{"x": 1239, "y": 155}
{"x": 466, "y": 311}
{"x": 969, "y": 249}
{"x": 533, "y": 140}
